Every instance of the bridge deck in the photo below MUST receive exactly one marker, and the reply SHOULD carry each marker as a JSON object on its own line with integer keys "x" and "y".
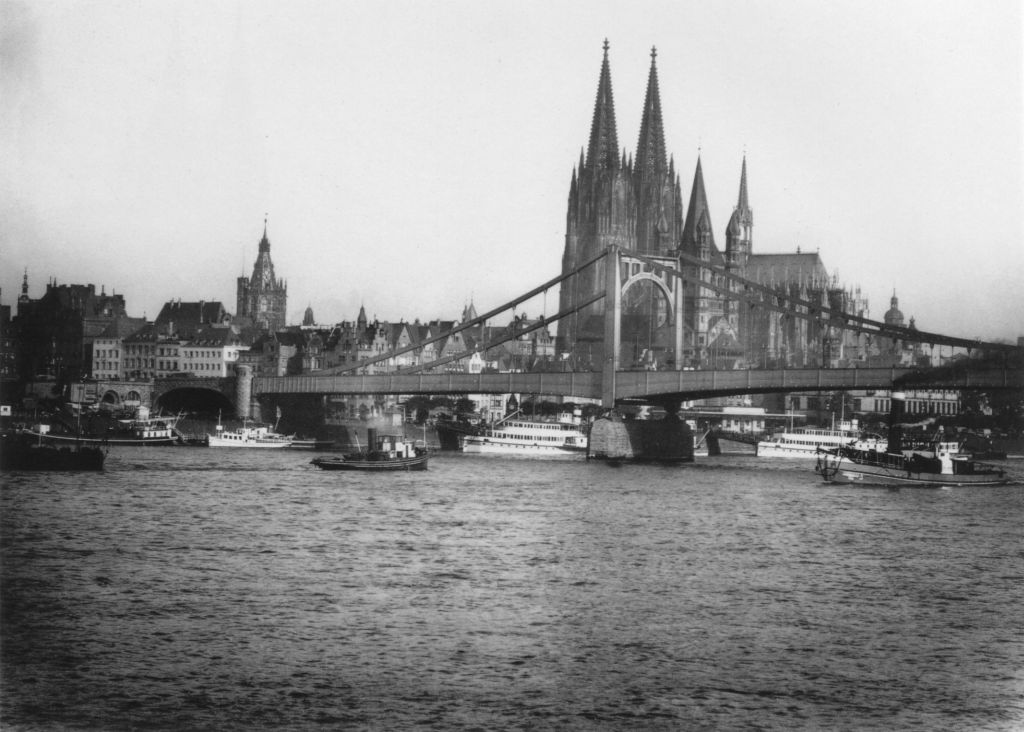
{"x": 640, "y": 384}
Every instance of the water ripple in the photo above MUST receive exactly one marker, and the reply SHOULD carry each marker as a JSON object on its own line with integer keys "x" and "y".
{"x": 205, "y": 589}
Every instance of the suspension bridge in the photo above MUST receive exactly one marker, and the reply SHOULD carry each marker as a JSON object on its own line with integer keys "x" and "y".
{"x": 618, "y": 272}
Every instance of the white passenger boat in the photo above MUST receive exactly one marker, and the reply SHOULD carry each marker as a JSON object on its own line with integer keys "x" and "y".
{"x": 563, "y": 437}
{"x": 262, "y": 437}
{"x": 804, "y": 442}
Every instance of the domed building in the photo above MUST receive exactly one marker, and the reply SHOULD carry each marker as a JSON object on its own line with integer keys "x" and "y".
{"x": 893, "y": 316}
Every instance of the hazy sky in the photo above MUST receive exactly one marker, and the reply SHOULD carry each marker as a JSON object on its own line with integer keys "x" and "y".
{"x": 412, "y": 155}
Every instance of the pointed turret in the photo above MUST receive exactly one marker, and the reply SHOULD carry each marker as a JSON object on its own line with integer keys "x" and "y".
{"x": 263, "y": 297}
{"x": 698, "y": 211}
{"x": 361, "y": 321}
{"x": 658, "y": 225}
{"x": 264, "y": 242}
{"x": 603, "y": 150}
{"x": 650, "y": 148}
{"x": 743, "y": 204}
{"x": 23, "y": 300}
{"x": 739, "y": 233}
{"x": 469, "y": 312}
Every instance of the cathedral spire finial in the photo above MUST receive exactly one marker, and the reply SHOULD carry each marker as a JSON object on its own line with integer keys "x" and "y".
{"x": 603, "y": 149}
{"x": 744, "y": 202}
{"x": 650, "y": 148}
{"x": 265, "y": 242}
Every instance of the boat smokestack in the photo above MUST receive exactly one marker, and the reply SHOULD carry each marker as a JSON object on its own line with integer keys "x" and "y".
{"x": 897, "y": 410}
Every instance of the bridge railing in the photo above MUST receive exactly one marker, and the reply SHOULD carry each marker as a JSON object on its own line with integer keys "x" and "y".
{"x": 640, "y": 384}
{"x": 575, "y": 384}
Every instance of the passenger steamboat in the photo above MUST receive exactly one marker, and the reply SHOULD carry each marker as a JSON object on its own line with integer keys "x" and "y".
{"x": 563, "y": 437}
{"x": 805, "y": 442}
{"x": 258, "y": 437}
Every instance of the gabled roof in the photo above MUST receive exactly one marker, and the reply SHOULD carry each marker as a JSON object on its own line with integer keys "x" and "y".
{"x": 290, "y": 338}
{"x": 188, "y": 316}
{"x": 122, "y": 327}
{"x": 209, "y": 335}
{"x": 146, "y": 334}
{"x": 800, "y": 268}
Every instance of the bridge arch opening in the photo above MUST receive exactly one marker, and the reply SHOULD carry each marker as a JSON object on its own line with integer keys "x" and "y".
{"x": 647, "y": 323}
{"x": 196, "y": 401}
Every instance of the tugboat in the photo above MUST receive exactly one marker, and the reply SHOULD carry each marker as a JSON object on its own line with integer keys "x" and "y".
{"x": 388, "y": 453}
{"x": 934, "y": 462}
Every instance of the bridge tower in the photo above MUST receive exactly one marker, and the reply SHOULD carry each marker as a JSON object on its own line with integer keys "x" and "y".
{"x": 625, "y": 274}
{"x": 243, "y": 391}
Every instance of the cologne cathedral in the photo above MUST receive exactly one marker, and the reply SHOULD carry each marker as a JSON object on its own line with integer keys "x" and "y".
{"x": 636, "y": 204}
{"x": 263, "y": 298}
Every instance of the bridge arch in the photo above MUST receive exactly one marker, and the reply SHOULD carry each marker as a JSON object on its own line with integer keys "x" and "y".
{"x": 648, "y": 316}
{"x": 658, "y": 285}
{"x": 199, "y": 399}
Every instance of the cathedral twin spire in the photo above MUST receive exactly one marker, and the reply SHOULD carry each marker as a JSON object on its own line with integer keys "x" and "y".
{"x": 659, "y": 223}
{"x": 650, "y": 147}
{"x": 603, "y": 150}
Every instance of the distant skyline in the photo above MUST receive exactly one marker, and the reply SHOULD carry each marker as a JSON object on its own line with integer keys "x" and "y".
{"x": 411, "y": 156}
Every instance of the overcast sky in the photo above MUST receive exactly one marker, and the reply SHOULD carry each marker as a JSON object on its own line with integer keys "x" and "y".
{"x": 414, "y": 155}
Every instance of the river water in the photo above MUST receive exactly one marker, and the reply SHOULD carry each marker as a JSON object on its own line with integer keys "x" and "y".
{"x": 198, "y": 589}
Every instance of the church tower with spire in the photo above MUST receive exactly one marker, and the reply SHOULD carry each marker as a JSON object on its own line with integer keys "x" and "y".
{"x": 636, "y": 204}
{"x": 739, "y": 234}
{"x": 263, "y": 297}
{"x": 658, "y": 201}
{"x": 738, "y": 240}
{"x": 598, "y": 213}
{"x": 23, "y": 300}
{"x": 615, "y": 200}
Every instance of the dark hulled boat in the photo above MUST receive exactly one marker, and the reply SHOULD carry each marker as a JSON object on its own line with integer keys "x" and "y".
{"x": 22, "y": 451}
{"x": 933, "y": 462}
{"x": 388, "y": 453}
